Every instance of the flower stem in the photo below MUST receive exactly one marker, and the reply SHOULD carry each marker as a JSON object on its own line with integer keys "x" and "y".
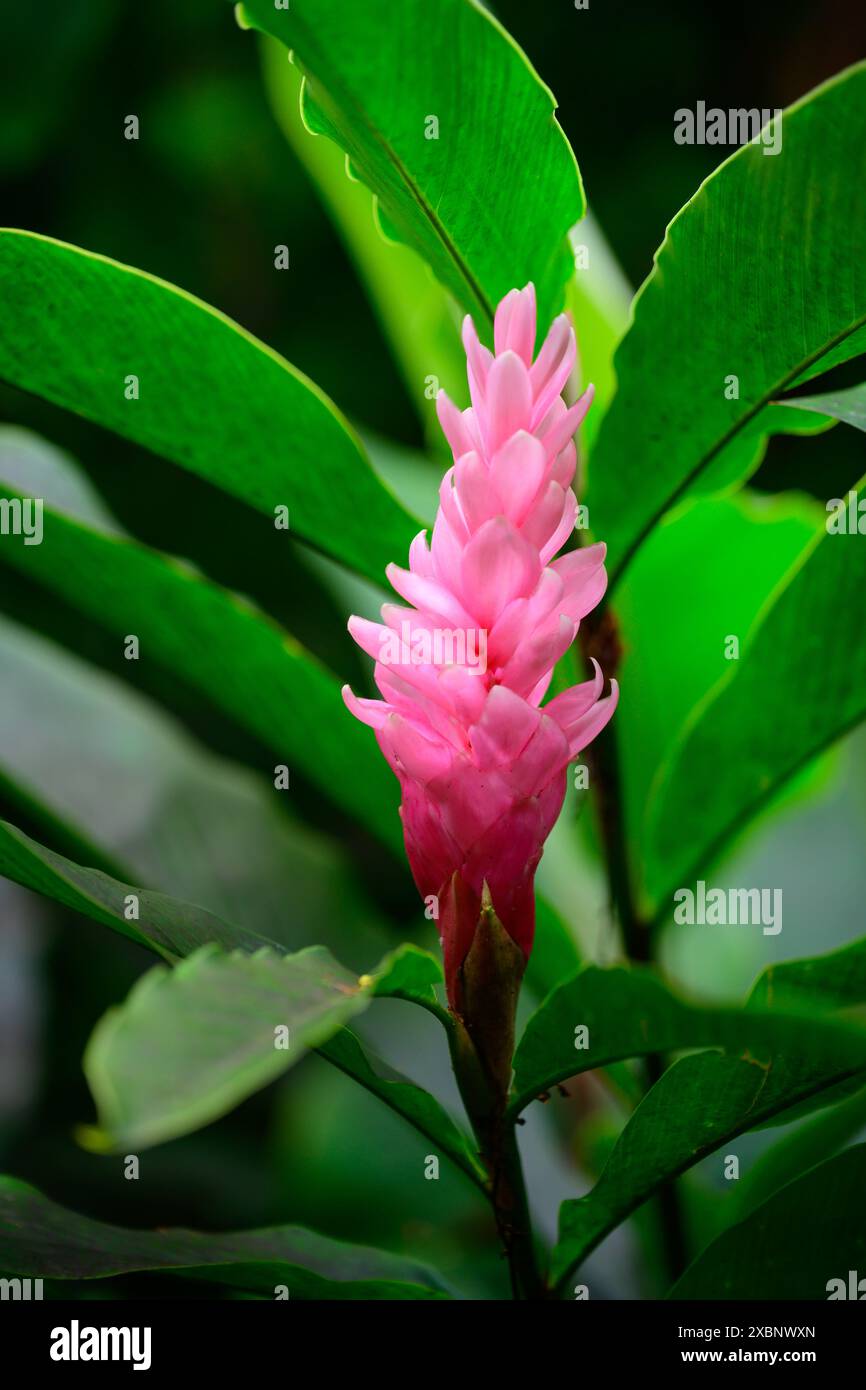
{"x": 482, "y": 1046}
{"x": 486, "y": 1104}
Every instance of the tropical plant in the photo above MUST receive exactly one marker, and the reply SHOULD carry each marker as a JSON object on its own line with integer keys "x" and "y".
{"x": 730, "y": 622}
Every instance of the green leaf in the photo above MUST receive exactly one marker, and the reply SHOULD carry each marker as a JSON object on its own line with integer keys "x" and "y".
{"x": 98, "y": 773}
{"x": 630, "y": 1013}
{"x": 166, "y": 925}
{"x": 849, "y": 406}
{"x": 598, "y": 298}
{"x": 43, "y": 1240}
{"x": 189, "y": 1044}
{"x": 486, "y": 213}
{"x": 419, "y": 317}
{"x": 408, "y": 973}
{"x": 191, "y": 630}
{"x": 177, "y": 929}
{"x": 767, "y": 735}
{"x": 212, "y": 399}
{"x": 699, "y": 1103}
{"x": 668, "y": 669}
{"x": 793, "y": 1245}
{"x": 795, "y": 1152}
{"x": 836, "y": 980}
{"x": 402, "y": 1095}
{"x": 762, "y": 234}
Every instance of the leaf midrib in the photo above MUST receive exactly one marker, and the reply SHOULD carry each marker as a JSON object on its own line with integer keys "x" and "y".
{"x": 349, "y": 103}
{"x": 624, "y": 1210}
{"x": 730, "y": 434}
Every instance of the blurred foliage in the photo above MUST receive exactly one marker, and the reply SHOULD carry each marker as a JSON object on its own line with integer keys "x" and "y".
{"x": 201, "y": 200}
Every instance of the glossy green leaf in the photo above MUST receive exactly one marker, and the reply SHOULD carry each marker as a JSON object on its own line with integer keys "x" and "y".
{"x": 177, "y": 929}
{"x": 418, "y": 315}
{"x": 171, "y": 927}
{"x": 98, "y": 773}
{"x": 836, "y": 980}
{"x": 669, "y": 668}
{"x": 631, "y": 1013}
{"x": 796, "y": 1151}
{"x": 698, "y": 1104}
{"x": 41, "y": 1239}
{"x": 416, "y": 1105}
{"x": 485, "y": 213}
{"x": 848, "y": 406}
{"x": 598, "y": 297}
{"x": 189, "y": 1044}
{"x": 211, "y": 398}
{"x": 408, "y": 973}
{"x": 235, "y": 658}
{"x": 789, "y": 696}
{"x": 725, "y": 278}
{"x": 793, "y": 1245}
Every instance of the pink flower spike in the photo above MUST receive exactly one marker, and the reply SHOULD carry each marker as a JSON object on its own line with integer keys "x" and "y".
{"x": 465, "y": 667}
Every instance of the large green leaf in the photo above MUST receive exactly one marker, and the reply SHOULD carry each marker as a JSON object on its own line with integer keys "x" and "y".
{"x": 788, "y": 697}
{"x": 177, "y": 929}
{"x": 189, "y": 1044}
{"x": 42, "y": 1240}
{"x": 212, "y": 399}
{"x": 836, "y": 980}
{"x": 224, "y": 649}
{"x": 486, "y": 213}
{"x": 417, "y": 314}
{"x": 706, "y": 1099}
{"x": 660, "y": 687}
{"x": 800, "y": 1149}
{"x": 809, "y": 1233}
{"x": 171, "y": 927}
{"x": 98, "y": 773}
{"x": 763, "y": 234}
{"x": 701, "y": 1102}
{"x": 631, "y": 1013}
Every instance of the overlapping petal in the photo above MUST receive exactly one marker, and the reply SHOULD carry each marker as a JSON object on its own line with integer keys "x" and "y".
{"x": 463, "y": 669}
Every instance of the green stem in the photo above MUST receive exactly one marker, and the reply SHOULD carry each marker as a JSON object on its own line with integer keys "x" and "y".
{"x": 526, "y": 1278}
{"x": 601, "y": 639}
{"x": 497, "y": 1143}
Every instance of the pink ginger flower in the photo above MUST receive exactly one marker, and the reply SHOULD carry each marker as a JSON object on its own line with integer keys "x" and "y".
{"x": 463, "y": 670}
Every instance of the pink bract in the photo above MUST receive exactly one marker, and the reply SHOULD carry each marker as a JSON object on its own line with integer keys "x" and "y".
{"x": 464, "y": 665}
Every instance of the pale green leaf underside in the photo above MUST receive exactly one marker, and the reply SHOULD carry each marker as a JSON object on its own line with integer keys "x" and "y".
{"x": 189, "y": 1044}
{"x": 848, "y": 406}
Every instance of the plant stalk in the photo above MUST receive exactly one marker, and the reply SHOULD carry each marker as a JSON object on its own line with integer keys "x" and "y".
{"x": 600, "y": 638}
{"x": 482, "y": 1046}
